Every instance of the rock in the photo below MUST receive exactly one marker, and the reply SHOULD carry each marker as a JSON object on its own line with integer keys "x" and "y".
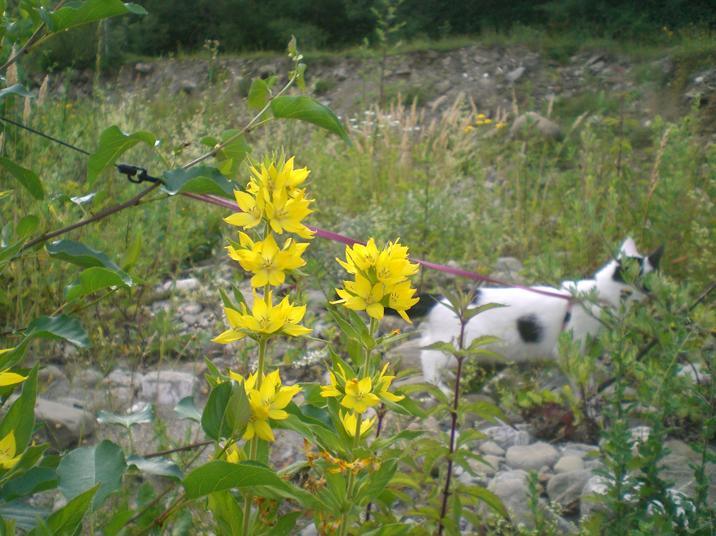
{"x": 579, "y": 449}
{"x": 531, "y": 457}
{"x": 185, "y": 285}
{"x": 186, "y": 86}
{"x": 512, "y": 488}
{"x": 597, "y": 67}
{"x": 514, "y": 75}
{"x": 123, "y": 377}
{"x": 191, "y": 308}
{"x": 87, "y": 377}
{"x": 596, "y": 485}
{"x": 531, "y": 121}
{"x": 508, "y": 264}
{"x": 568, "y": 464}
{"x": 566, "y": 488}
{"x": 506, "y": 436}
{"x": 66, "y": 425}
{"x": 53, "y": 382}
{"x": 490, "y": 447}
{"x": 143, "y": 68}
{"x": 676, "y": 468}
{"x": 167, "y": 387}
{"x": 407, "y": 355}
{"x": 443, "y": 87}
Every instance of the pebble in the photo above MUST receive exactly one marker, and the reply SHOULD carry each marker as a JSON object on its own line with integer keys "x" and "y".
{"x": 490, "y": 447}
{"x": 531, "y": 457}
{"x": 568, "y": 464}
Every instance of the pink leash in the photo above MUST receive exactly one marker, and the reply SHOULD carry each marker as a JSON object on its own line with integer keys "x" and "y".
{"x": 336, "y": 237}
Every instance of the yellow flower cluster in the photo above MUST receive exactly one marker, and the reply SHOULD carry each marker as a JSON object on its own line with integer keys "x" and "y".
{"x": 8, "y": 451}
{"x": 357, "y": 395}
{"x": 381, "y": 279}
{"x": 275, "y": 198}
{"x": 482, "y": 119}
{"x": 267, "y": 402}
{"x": 264, "y": 320}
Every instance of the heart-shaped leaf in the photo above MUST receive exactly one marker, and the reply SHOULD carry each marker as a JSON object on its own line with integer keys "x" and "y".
{"x": 113, "y": 143}
{"x": 92, "y": 280}
{"x": 156, "y": 466}
{"x": 309, "y": 110}
{"x": 197, "y": 180}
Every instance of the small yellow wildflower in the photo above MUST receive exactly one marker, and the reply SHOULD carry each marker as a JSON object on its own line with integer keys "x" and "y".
{"x": 265, "y": 319}
{"x": 360, "y": 295}
{"x": 331, "y": 390}
{"x": 285, "y": 213}
{"x": 468, "y": 128}
{"x": 482, "y": 119}
{"x": 251, "y": 213}
{"x": 233, "y": 454}
{"x": 266, "y": 261}
{"x": 401, "y": 298}
{"x": 383, "y": 386}
{"x": 350, "y": 421}
{"x": 8, "y": 451}
{"x": 358, "y": 395}
{"x": 500, "y": 125}
{"x": 267, "y": 403}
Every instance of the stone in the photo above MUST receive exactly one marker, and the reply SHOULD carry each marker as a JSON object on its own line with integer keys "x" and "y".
{"x": 582, "y": 450}
{"x": 87, "y": 377}
{"x": 191, "y": 308}
{"x": 676, "y": 468}
{"x": 167, "y": 387}
{"x": 186, "y": 86}
{"x": 569, "y": 463}
{"x": 53, "y": 382}
{"x": 512, "y": 489}
{"x": 531, "y": 457}
{"x": 566, "y": 488}
{"x": 532, "y": 121}
{"x": 490, "y": 447}
{"x": 508, "y": 264}
{"x": 65, "y": 425}
{"x": 143, "y": 68}
{"x": 515, "y": 74}
{"x": 506, "y": 436}
{"x": 187, "y": 284}
{"x": 407, "y": 355}
{"x": 595, "y": 485}
{"x": 123, "y": 377}
{"x": 488, "y": 467}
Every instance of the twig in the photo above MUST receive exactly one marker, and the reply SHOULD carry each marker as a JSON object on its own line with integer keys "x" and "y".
{"x": 192, "y": 446}
{"x": 100, "y": 215}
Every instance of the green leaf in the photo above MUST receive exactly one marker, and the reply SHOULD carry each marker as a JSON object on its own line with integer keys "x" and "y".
{"x": 89, "y": 11}
{"x": 487, "y": 497}
{"x": 24, "y": 515}
{"x": 226, "y": 412}
{"x": 131, "y": 256}
{"x": 113, "y": 143}
{"x": 197, "y": 180}
{"x": 27, "y": 226}
{"x": 259, "y": 94}
{"x": 307, "y": 109}
{"x": 156, "y": 466}
{"x": 220, "y": 475}
{"x": 377, "y": 481}
{"x": 33, "y": 481}
{"x": 284, "y": 525}
{"x": 143, "y": 416}
{"x": 227, "y": 513}
{"x": 80, "y": 254}
{"x": 16, "y": 89}
{"x": 92, "y": 280}
{"x": 187, "y": 409}
{"x": 67, "y": 521}
{"x": 442, "y": 346}
{"x": 232, "y": 154}
{"x": 26, "y": 177}
{"x": 58, "y": 327}
{"x": 20, "y": 418}
{"x": 85, "y": 467}
{"x": 392, "y": 529}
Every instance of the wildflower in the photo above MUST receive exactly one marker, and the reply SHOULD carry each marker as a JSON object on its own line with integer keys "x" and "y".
{"x": 361, "y": 295}
{"x": 500, "y": 125}
{"x": 233, "y": 454}
{"x": 8, "y": 451}
{"x": 482, "y": 119}
{"x": 10, "y": 378}
{"x": 331, "y": 390}
{"x": 401, "y": 298}
{"x": 267, "y": 403}
{"x": 358, "y": 395}
{"x": 383, "y": 386}
{"x": 251, "y": 212}
{"x": 285, "y": 213}
{"x": 265, "y": 319}
{"x": 468, "y": 128}
{"x": 266, "y": 261}
{"x": 350, "y": 421}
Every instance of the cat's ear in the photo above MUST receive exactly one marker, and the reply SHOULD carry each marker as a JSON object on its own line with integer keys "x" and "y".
{"x": 655, "y": 257}
{"x": 628, "y": 249}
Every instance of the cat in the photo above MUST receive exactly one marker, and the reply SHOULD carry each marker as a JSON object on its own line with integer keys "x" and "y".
{"x": 530, "y": 323}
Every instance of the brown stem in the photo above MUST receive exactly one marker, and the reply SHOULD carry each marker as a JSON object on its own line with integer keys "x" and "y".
{"x": 192, "y": 446}
{"x": 379, "y": 427}
{"x": 99, "y": 216}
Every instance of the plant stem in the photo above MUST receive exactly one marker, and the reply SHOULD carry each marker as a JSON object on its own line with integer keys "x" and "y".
{"x": 99, "y": 216}
{"x": 254, "y": 445}
{"x": 453, "y": 421}
{"x": 351, "y": 477}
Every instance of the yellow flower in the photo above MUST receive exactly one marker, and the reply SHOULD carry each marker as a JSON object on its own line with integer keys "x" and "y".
{"x": 251, "y": 213}
{"x": 265, "y": 319}
{"x": 285, "y": 213}
{"x": 10, "y": 378}
{"x": 383, "y": 386}
{"x": 233, "y": 454}
{"x": 350, "y": 421}
{"x": 467, "y": 129}
{"x": 358, "y": 395}
{"x": 392, "y": 264}
{"x": 8, "y": 451}
{"x": 361, "y": 295}
{"x": 267, "y": 402}
{"x": 360, "y": 258}
{"x": 482, "y": 119}
{"x": 266, "y": 261}
{"x": 271, "y": 180}
{"x": 330, "y": 390}
{"x": 500, "y": 124}
{"x": 402, "y": 298}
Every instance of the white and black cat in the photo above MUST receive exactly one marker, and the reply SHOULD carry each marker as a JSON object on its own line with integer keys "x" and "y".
{"x": 529, "y": 324}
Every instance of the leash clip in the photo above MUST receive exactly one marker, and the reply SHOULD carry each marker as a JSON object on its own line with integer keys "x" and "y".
{"x": 136, "y": 174}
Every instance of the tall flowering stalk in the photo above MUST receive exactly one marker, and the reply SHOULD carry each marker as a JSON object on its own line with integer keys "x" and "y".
{"x": 273, "y": 206}
{"x": 380, "y": 281}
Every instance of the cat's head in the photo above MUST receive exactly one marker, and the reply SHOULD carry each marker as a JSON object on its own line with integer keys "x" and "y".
{"x": 624, "y": 278}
